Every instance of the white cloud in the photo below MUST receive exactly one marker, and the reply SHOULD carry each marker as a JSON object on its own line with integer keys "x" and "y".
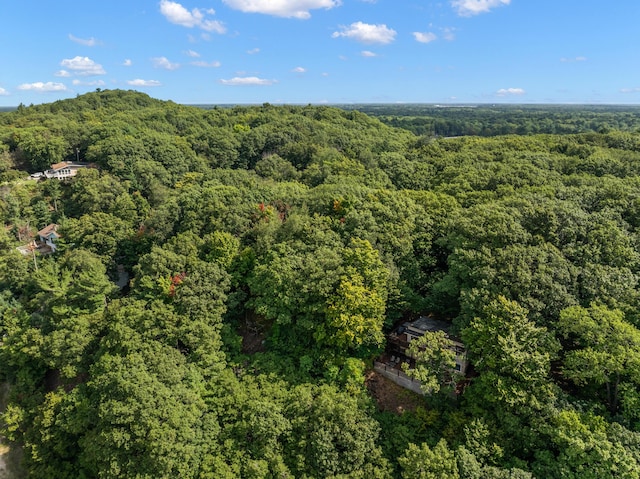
{"x": 207, "y": 64}
{"x": 299, "y": 70}
{"x": 367, "y": 33}
{"x": 84, "y": 66}
{"x": 367, "y": 53}
{"x": 575, "y": 59}
{"x": 468, "y": 8}
{"x": 282, "y": 8}
{"x": 62, "y": 73}
{"x": 163, "y": 62}
{"x": 88, "y": 83}
{"x": 3, "y": 92}
{"x": 241, "y": 81}
{"x": 177, "y": 14}
{"x": 88, "y": 42}
{"x": 253, "y": 51}
{"x": 424, "y": 37}
{"x": 448, "y": 34}
{"x": 43, "y": 87}
{"x": 510, "y": 92}
{"x": 192, "y": 54}
{"x": 139, "y": 82}
{"x": 127, "y": 63}
{"x": 630, "y": 90}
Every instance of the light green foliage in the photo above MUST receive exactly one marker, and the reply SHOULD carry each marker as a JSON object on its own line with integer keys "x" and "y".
{"x": 586, "y": 447}
{"x": 220, "y": 247}
{"x": 6, "y": 159}
{"x": 192, "y": 290}
{"x": 292, "y": 284}
{"x": 52, "y": 444}
{"x": 21, "y": 349}
{"x": 503, "y": 340}
{"x": 200, "y": 301}
{"x": 302, "y": 431}
{"x": 422, "y": 462}
{"x": 355, "y": 315}
{"x": 122, "y": 154}
{"x": 276, "y": 168}
{"x": 331, "y": 295}
{"x": 479, "y": 442}
{"x": 15, "y": 270}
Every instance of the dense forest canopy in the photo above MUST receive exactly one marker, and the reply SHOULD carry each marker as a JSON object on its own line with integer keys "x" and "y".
{"x": 504, "y": 119}
{"x": 271, "y": 249}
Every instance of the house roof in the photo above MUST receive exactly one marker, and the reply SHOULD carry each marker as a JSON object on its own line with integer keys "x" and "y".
{"x": 426, "y": 323}
{"x": 48, "y": 231}
{"x": 59, "y": 166}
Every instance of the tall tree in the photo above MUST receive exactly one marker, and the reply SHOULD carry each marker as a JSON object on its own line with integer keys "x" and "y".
{"x": 435, "y": 361}
{"x": 603, "y": 349}
{"x": 423, "y": 462}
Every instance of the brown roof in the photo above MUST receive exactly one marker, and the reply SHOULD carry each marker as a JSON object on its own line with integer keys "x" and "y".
{"x": 60, "y": 165}
{"x": 48, "y": 230}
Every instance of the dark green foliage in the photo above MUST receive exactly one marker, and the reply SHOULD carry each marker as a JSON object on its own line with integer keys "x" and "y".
{"x": 485, "y": 120}
{"x": 264, "y": 252}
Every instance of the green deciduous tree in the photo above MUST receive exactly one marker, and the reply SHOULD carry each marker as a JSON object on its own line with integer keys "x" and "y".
{"x": 504, "y": 341}
{"x": 146, "y": 416}
{"x": 585, "y": 446}
{"x": 435, "y": 360}
{"x": 332, "y": 436}
{"x": 355, "y": 316}
{"x": 513, "y": 357}
{"x": 604, "y": 349}
{"x": 423, "y": 462}
{"x": 40, "y": 146}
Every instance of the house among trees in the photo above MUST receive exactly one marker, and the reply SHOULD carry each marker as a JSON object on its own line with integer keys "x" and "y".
{"x": 65, "y": 169}
{"x": 47, "y": 237}
{"x": 45, "y": 242}
{"x": 416, "y": 329}
{"x": 397, "y": 353}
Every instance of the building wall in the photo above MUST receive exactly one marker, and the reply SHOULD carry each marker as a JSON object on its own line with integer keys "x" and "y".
{"x": 398, "y": 377}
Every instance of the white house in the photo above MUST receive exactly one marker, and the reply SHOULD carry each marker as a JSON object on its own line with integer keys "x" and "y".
{"x": 65, "y": 169}
{"x": 47, "y": 237}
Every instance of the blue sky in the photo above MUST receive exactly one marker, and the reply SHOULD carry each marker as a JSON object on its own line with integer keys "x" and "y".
{"x": 324, "y": 51}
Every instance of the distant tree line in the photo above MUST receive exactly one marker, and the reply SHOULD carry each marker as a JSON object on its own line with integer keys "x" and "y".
{"x": 494, "y": 120}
